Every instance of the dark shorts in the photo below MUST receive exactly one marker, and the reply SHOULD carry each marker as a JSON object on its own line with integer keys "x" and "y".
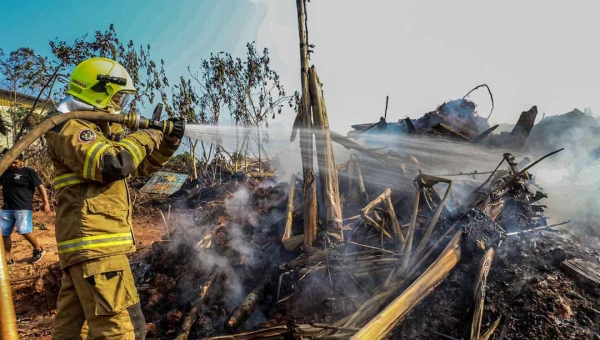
{"x": 16, "y": 218}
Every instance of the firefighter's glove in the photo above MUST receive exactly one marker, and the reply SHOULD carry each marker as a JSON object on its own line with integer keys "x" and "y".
{"x": 172, "y": 140}
{"x": 155, "y": 135}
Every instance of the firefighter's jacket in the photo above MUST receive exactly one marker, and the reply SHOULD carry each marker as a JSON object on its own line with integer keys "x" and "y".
{"x": 93, "y": 213}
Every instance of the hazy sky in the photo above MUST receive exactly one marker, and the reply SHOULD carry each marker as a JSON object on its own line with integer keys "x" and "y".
{"x": 420, "y": 53}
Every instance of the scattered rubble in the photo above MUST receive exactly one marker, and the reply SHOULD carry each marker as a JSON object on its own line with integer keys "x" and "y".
{"x": 407, "y": 266}
{"x": 568, "y": 130}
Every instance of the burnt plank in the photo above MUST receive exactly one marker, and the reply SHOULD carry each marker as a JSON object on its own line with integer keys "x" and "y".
{"x": 583, "y": 271}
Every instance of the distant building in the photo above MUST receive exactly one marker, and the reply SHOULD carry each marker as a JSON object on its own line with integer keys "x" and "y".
{"x": 10, "y": 99}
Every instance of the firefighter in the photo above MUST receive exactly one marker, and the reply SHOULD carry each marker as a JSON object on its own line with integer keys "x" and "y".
{"x": 92, "y": 161}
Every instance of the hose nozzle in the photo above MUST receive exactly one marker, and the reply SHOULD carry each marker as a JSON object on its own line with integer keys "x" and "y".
{"x": 170, "y": 127}
{"x": 132, "y": 120}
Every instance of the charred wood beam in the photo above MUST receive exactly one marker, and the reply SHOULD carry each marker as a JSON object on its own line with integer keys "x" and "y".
{"x": 445, "y": 129}
{"x": 409, "y": 125}
{"x": 293, "y": 242}
{"x": 373, "y": 305}
{"x": 407, "y": 247}
{"x": 538, "y": 196}
{"x": 432, "y": 180}
{"x": 367, "y": 129}
{"x": 350, "y": 170}
{"x": 392, "y": 274}
{"x": 330, "y": 187}
{"x": 364, "y": 212}
{"x": 523, "y": 128}
{"x": 289, "y": 218}
{"x": 484, "y": 134}
{"x": 361, "y": 183}
{"x": 311, "y": 212}
{"x": 487, "y": 335}
{"x": 196, "y": 307}
{"x": 387, "y": 319}
{"x": 395, "y": 224}
{"x": 304, "y": 120}
{"x": 479, "y": 292}
{"x": 585, "y": 272}
{"x": 243, "y": 311}
{"x": 387, "y": 99}
{"x": 424, "y": 258}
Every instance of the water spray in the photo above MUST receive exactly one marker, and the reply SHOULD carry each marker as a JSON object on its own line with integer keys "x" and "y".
{"x": 170, "y": 127}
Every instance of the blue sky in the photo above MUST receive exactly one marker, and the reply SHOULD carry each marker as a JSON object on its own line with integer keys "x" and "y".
{"x": 420, "y": 53}
{"x": 180, "y": 32}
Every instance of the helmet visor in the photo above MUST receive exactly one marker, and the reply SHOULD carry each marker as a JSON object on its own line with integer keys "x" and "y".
{"x": 120, "y": 99}
{"x": 125, "y": 99}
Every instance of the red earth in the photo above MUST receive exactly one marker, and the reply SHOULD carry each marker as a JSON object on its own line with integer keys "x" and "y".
{"x": 35, "y": 286}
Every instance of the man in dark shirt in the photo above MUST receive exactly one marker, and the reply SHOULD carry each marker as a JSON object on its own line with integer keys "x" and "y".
{"x": 18, "y": 186}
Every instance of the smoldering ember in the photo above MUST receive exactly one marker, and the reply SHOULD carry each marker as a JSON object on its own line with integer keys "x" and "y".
{"x": 441, "y": 227}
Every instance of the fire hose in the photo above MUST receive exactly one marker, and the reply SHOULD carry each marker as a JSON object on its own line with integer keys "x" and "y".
{"x": 133, "y": 121}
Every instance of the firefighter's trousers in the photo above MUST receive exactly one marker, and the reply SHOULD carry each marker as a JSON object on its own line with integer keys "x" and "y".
{"x": 101, "y": 291}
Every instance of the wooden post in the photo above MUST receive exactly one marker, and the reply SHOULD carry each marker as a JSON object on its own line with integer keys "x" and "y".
{"x": 304, "y": 120}
{"x": 396, "y": 311}
{"x": 311, "y": 216}
{"x": 387, "y": 99}
{"x": 479, "y": 292}
{"x": 364, "y": 198}
{"x": 330, "y": 187}
{"x": 289, "y": 214}
{"x": 407, "y": 246}
{"x": 436, "y": 216}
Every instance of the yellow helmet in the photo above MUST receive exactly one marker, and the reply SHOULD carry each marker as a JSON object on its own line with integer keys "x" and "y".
{"x": 96, "y": 80}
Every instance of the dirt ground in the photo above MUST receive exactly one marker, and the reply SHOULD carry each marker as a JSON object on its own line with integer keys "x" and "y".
{"x": 35, "y": 286}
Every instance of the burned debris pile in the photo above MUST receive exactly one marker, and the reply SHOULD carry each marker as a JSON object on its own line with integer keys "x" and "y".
{"x": 373, "y": 247}
{"x": 448, "y": 259}
{"x": 566, "y": 130}
{"x": 456, "y": 119}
